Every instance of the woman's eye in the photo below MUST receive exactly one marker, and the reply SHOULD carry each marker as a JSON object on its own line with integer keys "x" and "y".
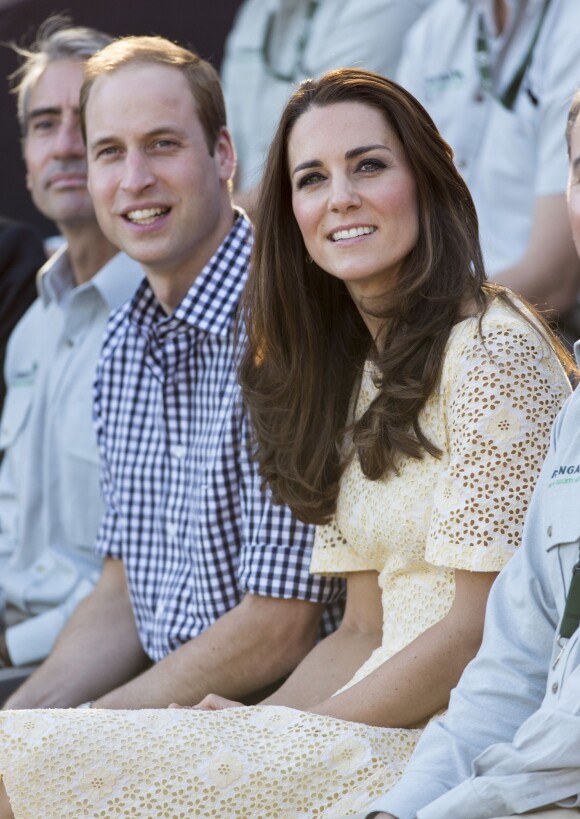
{"x": 370, "y": 165}
{"x": 309, "y": 179}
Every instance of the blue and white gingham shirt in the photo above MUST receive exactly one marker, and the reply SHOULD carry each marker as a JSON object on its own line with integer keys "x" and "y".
{"x": 184, "y": 510}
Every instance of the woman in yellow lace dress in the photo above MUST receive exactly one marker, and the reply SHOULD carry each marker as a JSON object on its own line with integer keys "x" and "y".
{"x": 400, "y": 403}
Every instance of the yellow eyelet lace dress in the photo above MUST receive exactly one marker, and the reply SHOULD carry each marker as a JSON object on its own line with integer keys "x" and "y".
{"x": 491, "y": 417}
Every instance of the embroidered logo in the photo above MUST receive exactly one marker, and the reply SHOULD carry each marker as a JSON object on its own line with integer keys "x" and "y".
{"x": 24, "y": 378}
{"x": 565, "y": 474}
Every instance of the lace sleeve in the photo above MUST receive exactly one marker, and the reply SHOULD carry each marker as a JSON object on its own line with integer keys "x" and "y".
{"x": 501, "y": 392}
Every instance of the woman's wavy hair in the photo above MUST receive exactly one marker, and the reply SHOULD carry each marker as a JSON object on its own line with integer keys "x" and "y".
{"x": 307, "y": 342}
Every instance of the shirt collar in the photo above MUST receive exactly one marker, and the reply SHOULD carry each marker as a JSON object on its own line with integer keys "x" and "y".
{"x": 56, "y": 281}
{"x": 212, "y": 300}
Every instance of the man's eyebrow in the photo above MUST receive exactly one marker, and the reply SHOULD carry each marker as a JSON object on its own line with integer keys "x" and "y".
{"x": 352, "y": 154}
{"x": 43, "y": 112}
{"x": 106, "y": 140}
{"x": 162, "y": 130}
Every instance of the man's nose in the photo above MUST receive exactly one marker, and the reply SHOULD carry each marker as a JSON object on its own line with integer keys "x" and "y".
{"x": 69, "y": 141}
{"x": 137, "y": 173}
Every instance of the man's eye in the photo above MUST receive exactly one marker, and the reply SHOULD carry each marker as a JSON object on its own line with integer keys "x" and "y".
{"x": 106, "y": 152}
{"x": 40, "y": 125}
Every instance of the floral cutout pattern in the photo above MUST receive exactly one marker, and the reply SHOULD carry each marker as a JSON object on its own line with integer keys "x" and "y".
{"x": 491, "y": 416}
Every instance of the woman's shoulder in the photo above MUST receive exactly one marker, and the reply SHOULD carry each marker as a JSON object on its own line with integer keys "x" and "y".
{"x": 504, "y": 330}
{"x": 505, "y": 348}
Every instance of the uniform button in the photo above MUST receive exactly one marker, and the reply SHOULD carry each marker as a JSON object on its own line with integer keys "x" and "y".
{"x": 549, "y": 531}
{"x": 555, "y": 687}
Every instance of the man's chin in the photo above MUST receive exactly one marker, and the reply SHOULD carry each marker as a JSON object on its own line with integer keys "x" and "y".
{"x": 76, "y": 210}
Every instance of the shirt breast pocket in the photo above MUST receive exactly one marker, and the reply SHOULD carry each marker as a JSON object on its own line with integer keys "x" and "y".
{"x": 563, "y": 536}
{"x": 83, "y": 506}
{"x": 15, "y": 415}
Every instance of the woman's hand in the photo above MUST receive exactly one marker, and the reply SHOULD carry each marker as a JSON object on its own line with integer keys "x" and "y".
{"x": 213, "y": 702}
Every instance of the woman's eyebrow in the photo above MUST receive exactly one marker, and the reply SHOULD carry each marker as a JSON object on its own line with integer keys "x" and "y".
{"x": 352, "y": 154}
{"x": 311, "y": 163}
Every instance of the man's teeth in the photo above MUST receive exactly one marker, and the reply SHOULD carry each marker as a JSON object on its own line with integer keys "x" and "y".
{"x": 146, "y": 216}
{"x": 350, "y": 234}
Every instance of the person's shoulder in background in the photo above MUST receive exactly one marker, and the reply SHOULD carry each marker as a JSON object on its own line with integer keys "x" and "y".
{"x": 21, "y": 256}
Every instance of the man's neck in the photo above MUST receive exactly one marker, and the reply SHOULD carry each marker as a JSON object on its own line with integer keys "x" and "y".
{"x": 88, "y": 250}
{"x": 170, "y": 284}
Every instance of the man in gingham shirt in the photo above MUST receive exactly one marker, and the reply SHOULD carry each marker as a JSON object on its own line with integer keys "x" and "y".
{"x": 206, "y": 584}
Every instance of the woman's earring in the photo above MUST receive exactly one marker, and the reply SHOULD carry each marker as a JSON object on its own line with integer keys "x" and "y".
{"x": 308, "y": 258}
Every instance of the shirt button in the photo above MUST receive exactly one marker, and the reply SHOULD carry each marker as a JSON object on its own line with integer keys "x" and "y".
{"x": 479, "y": 96}
{"x": 461, "y": 164}
{"x": 172, "y": 529}
{"x": 549, "y": 531}
{"x": 41, "y": 569}
{"x": 69, "y": 343}
{"x": 555, "y": 687}
{"x": 178, "y": 451}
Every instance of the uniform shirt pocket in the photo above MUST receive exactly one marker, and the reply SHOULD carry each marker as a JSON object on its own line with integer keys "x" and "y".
{"x": 83, "y": 506}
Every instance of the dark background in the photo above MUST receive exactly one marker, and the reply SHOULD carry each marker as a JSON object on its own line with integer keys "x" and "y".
{"x": 198, "y": 24}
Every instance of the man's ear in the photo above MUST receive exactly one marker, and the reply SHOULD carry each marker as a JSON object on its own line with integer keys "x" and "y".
{"x": 225, "y": 154}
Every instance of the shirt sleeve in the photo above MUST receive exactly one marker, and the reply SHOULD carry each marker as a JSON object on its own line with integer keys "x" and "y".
{"x": 275, "y": 554}
{"x": 502, "y": 389}
{"x": 32, "y": 640}
{"x": 540, "y": 767}
{"x": 334, "y": 556}
{"x": 108, "y": 541}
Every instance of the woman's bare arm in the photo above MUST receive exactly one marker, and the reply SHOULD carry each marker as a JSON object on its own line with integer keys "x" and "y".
{"x": 332, "y": 663}
{"x": 416, "y": 682}
{"x": 5, "y": 809}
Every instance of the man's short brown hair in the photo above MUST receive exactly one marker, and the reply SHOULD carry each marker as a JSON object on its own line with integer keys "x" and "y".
{"x": 201, "y": 76}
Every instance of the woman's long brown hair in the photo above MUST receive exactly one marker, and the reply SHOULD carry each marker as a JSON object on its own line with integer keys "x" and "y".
{"x": 307, "y": 342}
